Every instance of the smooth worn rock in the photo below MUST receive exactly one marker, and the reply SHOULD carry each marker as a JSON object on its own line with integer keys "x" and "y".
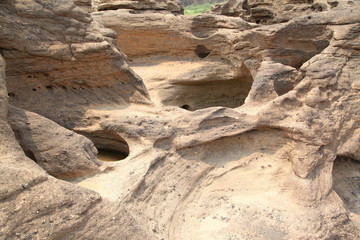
{"x": 282, "y": 161}
{"x": 174, "y": 53}
{"x": 34, "y": 205}
{"x": 171, "y": 6}
{"x": 60, "y": 152}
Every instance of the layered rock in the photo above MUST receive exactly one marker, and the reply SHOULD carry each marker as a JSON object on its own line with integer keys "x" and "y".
{"x": 60, "y": 62}
{"x": 266, "y": 12}
{"x": 53, "y": 60}
{"x": 201, "y": 61}
{"x": 267, "y": 165}
{"x": 184, "y": 60}
{"x": 35, "y": 205}
{"x": 274, "y": 137}
{"x": 170, "y": 6}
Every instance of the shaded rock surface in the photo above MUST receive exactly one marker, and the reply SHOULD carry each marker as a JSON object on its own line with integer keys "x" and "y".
{"x": 60, "y": 152}
{"x": 267, "y": 165}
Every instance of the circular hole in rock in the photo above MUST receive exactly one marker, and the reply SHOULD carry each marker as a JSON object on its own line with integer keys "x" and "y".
{"x": 202, "y": 52}
{"x": 109, "y": 155}
{"x": 186, "y": 107}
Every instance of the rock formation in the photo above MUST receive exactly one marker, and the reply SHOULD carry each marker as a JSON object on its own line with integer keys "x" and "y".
{"x": 181, "y": 52}
{"x": 54, "y": 57}
{"x": 170, "y": 6}
{"x": 265, "y": 12}
{"x": 39, "y": 138}
{"x": 281, "y": 163}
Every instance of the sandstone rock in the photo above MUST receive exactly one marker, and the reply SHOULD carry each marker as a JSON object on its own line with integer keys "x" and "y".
{"x": 54, "y": 61}
{"x": 294, "y": 94}
{"x": 267, "y": 12}
{"x": 268, "y": 165}
{"x": 60, "y": 152}
{"x": 35, "y": 205}
{"x": 172, "y": 6}
{"x": 85, "y": 4}
{"x": 230, "y": 8}
{"x": 42, "y": 64}
{"x": 181, "y": 52}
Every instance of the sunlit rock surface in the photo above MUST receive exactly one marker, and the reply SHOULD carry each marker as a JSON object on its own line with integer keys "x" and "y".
{"x": 283, "y": 165}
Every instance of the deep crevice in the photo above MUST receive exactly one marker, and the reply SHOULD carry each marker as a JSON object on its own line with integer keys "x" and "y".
{"x": 30, "y": 154}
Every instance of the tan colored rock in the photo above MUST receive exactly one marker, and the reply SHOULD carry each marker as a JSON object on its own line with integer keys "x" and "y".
{"x": 60, "y": 152}
{"x": 35, "y": 205}
{"x": 171, "y": 6}
{"x": 174, "y": 53}
{"x": 201, "y": 61}
{"x": 269, "y": 165}
{"x": 261, "y": 163}
{"x": 268, "y": 12}
{"x": 57, "y": 53}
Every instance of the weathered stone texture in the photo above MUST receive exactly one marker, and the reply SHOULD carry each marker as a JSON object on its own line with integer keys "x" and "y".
{"x": 283, "y": 164}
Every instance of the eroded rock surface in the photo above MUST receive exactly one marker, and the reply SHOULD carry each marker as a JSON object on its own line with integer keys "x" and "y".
{"x": 170, "y": 6}
{"x": 60, "y": 152}
{"x": 60, "y": 61}
{"x": 35, "y": 205}
{"x": 264, "y": 170}
{"x": 268, "y": 12}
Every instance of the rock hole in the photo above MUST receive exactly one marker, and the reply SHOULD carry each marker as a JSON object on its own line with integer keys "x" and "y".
{"x": 11, "y": 94}
{"x": 109, "y": 155}
{"x": 49, "y": 87}
{"x": 186, "y": 107}
{"x": 34, "y": 89}
{"x": 109, "y": 144}
{"x": 63, "y": 87}
{"x": 202, "y": 52}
